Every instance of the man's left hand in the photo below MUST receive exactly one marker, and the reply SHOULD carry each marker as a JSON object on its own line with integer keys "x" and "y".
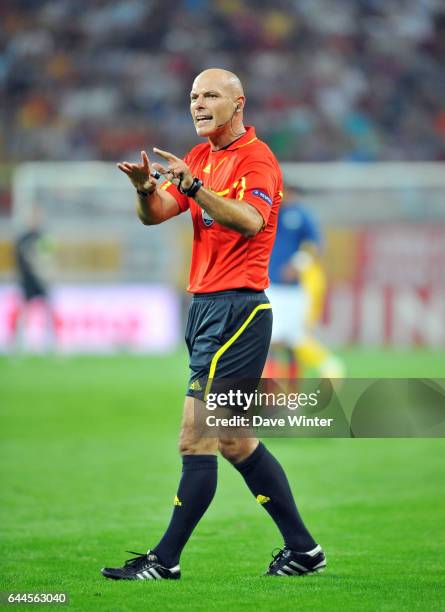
{"x": 176, "y": 171}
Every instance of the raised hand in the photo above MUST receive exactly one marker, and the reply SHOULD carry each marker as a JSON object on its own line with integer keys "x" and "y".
{"x": 140, "y": 174}
{"x": 177, "y": 171}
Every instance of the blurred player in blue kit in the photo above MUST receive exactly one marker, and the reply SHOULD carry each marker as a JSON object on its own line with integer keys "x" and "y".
{"x": 297, "y": 292}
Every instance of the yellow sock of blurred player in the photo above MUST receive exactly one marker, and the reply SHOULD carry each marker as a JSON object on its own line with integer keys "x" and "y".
{"x": 312, "y": 354}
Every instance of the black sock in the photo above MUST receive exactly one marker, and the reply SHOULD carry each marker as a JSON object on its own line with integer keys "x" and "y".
{"x": 266, "y": 479}
{"x": 196, "y": 490}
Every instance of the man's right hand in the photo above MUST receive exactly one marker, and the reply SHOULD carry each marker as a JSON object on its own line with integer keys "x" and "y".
{"x": 139, "y": 174}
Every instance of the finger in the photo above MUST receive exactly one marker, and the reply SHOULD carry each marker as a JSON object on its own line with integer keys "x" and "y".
{"x": 127, "y": 167}
{"x": 166, "y": 155}
{"x": 145, "y": 161}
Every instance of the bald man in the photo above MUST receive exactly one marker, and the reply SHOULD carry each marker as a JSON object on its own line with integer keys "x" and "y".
{"x": 232, "y": 186}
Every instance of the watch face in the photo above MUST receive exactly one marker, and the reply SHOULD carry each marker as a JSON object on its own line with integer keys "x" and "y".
{"x": 207, "y": 219}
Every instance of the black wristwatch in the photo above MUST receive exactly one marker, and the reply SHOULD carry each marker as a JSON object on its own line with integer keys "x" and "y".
{"x": 193, "y": 189}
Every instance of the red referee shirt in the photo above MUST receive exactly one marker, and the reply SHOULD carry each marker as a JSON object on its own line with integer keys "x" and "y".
{"x": 222, "y": 258}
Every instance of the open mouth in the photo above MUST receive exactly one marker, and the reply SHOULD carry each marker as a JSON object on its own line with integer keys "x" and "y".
{"x": 203, "y": 119}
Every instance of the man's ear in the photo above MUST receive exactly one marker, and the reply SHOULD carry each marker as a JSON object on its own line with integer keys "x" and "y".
{"x": 239, "y": 105}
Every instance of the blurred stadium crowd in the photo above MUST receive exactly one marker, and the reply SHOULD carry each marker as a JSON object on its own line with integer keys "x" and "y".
{"x": 100, "y": 79}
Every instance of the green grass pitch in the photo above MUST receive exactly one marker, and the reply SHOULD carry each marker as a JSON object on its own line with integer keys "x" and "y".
{"x": 89, "y": 468}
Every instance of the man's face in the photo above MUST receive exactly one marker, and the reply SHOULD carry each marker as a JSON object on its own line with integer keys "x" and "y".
{"x": 212, "y": 104}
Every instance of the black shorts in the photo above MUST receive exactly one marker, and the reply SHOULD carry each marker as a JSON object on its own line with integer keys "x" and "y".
{"x": 228, "y": 337}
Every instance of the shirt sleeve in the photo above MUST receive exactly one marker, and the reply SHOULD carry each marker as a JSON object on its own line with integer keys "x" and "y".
{"x": 181, "y": 199}
{"x": 257, "y": 185}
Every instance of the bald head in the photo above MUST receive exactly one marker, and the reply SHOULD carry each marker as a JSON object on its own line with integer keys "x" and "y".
{"x": 223, "y": 79}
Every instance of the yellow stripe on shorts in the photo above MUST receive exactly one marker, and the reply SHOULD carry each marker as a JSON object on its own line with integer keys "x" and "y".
{"x": 229, "y": 343}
